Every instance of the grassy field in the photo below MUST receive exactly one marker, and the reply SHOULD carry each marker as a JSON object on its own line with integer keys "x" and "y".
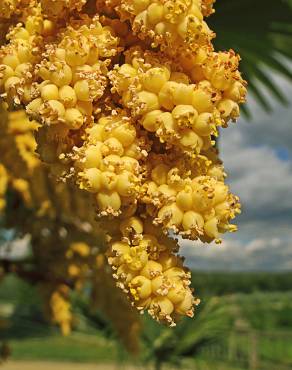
{"x": 29, "y": 365}
{"x": 258, "y": 336}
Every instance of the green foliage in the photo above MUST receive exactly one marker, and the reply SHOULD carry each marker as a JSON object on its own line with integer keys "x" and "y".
{"x": 174, "y": 345}
{"x": 254, "y": 305}
{"x": 212, "y": 283}
{"x": 261, "y": 32}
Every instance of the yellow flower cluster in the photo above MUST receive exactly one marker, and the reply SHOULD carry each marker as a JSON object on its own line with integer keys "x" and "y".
{"x": 168, "y": 23}
{"x": 150, "y": 272}
{"x": 130, "y": 96}
{"x": 108, "y": 163}
{"x": 3, "y": 186}
{"x": 60, "y": 306}
{"x": 18, "y": 57}
{"x": 73, "y": 75}
{"x": 64, "y": 260}
{"x": 195, "y": 204}
{"x": 167, "y": 104}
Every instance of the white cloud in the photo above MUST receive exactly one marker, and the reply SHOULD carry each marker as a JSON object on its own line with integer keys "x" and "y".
{"x": 235, "y": 254}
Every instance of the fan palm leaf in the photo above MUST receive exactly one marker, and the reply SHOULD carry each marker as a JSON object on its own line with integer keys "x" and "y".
{"x": 261, "y": 32}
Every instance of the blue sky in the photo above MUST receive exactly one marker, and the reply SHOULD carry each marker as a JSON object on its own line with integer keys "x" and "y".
{"x": 257, "y": 155}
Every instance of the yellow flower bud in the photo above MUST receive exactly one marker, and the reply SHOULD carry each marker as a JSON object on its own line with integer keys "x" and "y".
{"x": 177, "y": 294}
{"x": 183, "y": 94}
{"x": 68, "y": 96}
{"x": 155, "y": 13}
{"x": 202, "y": 101}
{"x": 5, "y": 72}
{"x": 120, "y": 248}
{"x": 126, "y": 184}
{"x": 92, "y": 157}
{"x": 140, "y": 5}
{"x": 174, "y": 273}
{"x": 96, "y": 133}
{"x": 171, "y": 215}
{"x": 192, "y": 221}
{"x": 184, "y": 199}
{"x": 108, "y": 180}
{"x": 211, "y": 228}
{"x": 62, "y": 76}
{"x": 184, "y": 115}
{"x": 73, "y": 118}
{"x": 140, "y": 287}
{"x": 151, "y": 270}
{"x": 166, "y": 94}
{"x": 34, "y": 106}
{"x": 57, "y": 107}
{"x": 93, "y": 177}
{"x": 150, "y": 120}
{"x": 50, "y": 92}
{"x": 203, "y": 124}
{"x": 11, "y": 60}
{"x": 108, "y": 200}
{"x": 155, "y": 78}
{"x": 125, "y": 133}
{"x": 191, "y": 139}
{"x": 185, "y": 306}
{"x": 163, "y": 305}
{"x": 131, "y": 225}
{"x": 81, "y": 89}
{"x": 148, "y": 102}
{"x": 112, "y": 146}
{"x": 156, "y": 284}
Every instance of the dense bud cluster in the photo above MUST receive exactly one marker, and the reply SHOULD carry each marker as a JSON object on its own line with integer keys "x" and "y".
{"x": 108, "y": 163}
{"x": 196, "y": 204}
{"x": 129, "y": 97}
{"x": 73, "y": 75}
{"x": 3, "y": 186}
{"x": 18, "y": 57}
{"x": 150, "y": 272}
{"x": 167, "y": 23}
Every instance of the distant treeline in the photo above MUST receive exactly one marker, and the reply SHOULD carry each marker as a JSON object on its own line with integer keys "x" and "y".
{"x": 220, "y": 283}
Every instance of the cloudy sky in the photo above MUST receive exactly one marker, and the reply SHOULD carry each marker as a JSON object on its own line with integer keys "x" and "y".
{"x": 257, "y": 155}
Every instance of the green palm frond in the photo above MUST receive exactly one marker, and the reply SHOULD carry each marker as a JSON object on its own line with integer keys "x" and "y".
{"x": 172, "y": 346}
{"x": 261, "y": 32}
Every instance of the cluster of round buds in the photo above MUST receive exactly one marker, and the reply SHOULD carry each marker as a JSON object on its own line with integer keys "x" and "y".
{"x": 150, "y": 272}
{"x": 61, "y": 308}
{"x": 74, "y": 75}
{"x": 220, "y": 69}
{"x": 167, "y": 23}
{"x": 20, "y": 126}
{"x": 18, "y": 57}
{"x": 167, "y": 103}
{"x": 3, "y": 186}
{"x": 108, "y": 163}
{"x": 129, "y": 95}
{"x": 78, "y": 268}
{"x": 196, "y": 207}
